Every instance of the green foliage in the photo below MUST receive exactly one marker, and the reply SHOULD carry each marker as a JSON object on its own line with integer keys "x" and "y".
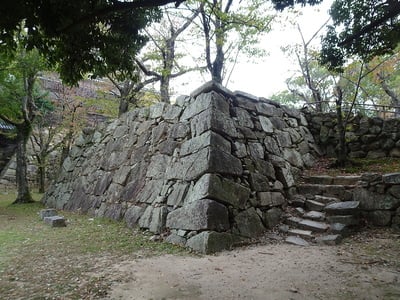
{"x": 363, "y": 29}
{"x": 79, "y": 37}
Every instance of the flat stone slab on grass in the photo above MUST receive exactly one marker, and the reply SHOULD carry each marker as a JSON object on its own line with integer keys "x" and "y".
{"x": 49, "y": 212}
{"x": 55, "y": 221}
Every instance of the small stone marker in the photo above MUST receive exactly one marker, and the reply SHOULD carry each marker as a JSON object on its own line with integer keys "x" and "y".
{"x": 49, "y": 212}
{"x": 55, "y": 221}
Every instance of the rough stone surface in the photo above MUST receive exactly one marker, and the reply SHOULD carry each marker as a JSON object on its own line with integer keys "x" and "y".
{"x": 203, "y": 214}
{"x": 214, "y": 161}
{"x": 295, "y": 240}
{"x": 249, "y": 223}
{"x": 208, "y": 242}
{"x": 342, "y": 208}
{"x": 50, "y": 212}
{"x": 55, "y": 221}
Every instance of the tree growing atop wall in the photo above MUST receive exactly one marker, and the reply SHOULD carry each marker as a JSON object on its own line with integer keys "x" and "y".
{"x": 231, "y": 29}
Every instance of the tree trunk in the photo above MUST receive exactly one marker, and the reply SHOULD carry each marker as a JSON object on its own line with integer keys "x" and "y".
{"x": 341, "y": 130}
{"x": 164, "y": 88}
{"x": 42, "y": 173}
{"x": 24, "y": 195}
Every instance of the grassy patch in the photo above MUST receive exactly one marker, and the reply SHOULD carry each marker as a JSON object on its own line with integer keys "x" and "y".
{"x": 358, "y": 166}
{"x": 40, "y": 262}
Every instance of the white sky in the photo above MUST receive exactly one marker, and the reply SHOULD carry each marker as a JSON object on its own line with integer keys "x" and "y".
{"x": 268, "y": 75}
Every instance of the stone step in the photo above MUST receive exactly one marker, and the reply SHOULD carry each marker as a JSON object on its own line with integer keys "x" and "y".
{"x": 305, "y": 224}
{"x": 297, "y": 200}
{"x": 342, "y": 192}
{"x": 293, "y": 221}
{"x": 339, "y": 228}
{"x": 342, "y": 208}
{"x": 332, "y": 180}
{"x": 307, "y": 234}
{"x": 349, "y": 220}
{"x": 314, "y": 205}
{"x": 325, "y": 199}
{"x": 295, "y": 240}
{"x": 300, "y": 211}
{"x": 314, "y": 215}
{"x": 331, "y": 239}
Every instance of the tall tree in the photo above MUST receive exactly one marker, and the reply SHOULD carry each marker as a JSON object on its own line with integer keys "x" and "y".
{"x": 230, "y": 30}
{"x": 18, "y": 106}
{"x": 161, "y": 52}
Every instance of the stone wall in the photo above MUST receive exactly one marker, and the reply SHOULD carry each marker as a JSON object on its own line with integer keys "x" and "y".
{"x": 379, "y": 197}
{"x": 366, "y": 137}
{"x": 216, "y": 166}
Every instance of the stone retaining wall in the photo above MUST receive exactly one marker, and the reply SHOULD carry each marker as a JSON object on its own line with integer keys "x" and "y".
{"x": 379, "y": 197}
{"x": 366, "y": 137}
{"x": 213, "y": 168}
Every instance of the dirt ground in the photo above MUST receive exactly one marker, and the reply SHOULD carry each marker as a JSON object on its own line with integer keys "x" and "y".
{"x": 366, "y": 266}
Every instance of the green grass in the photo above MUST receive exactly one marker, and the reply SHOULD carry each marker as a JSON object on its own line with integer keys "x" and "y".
{"x": 357, "y": 166}
{"x": 39, "y": 255}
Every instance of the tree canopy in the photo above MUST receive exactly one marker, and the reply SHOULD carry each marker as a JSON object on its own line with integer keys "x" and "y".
{"x": 79, "y": 36}
{"x": 366, "y": 29}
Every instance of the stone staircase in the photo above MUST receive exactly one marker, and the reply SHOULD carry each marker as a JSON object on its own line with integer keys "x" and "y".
{"x": 322, "y": 212}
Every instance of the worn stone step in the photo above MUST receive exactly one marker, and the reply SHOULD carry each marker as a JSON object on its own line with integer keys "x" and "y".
{"x": 349, "y": 220}
{"x": 307, "y": 234}
{"x": 300, "y": 211}
{"x": 314, "y": 205}
{"x": 342, "y": 208}
{"x": 325, "y": 199}
{"x": 339, "y": 228}
{"x": 293, "y": 221}
{"x": 331, "y": 239}
{"x": 332, "y": 180}
{"x": 342, "y": 192}
{"x": 297, "y": 200}
{"x": 314, "y": 226}
{"x": 314, "y": 215}
{"x": 320, "y": 179}
{"x": 295, "y": 240}
{"x": 305, "y": 224}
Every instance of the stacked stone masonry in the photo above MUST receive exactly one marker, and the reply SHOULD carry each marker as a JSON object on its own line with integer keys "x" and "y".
{"x": 210, "y": 170}
{"x": 365, "y": 137}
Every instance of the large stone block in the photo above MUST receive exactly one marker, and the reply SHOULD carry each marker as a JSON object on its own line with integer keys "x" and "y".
{"x": 154, "y": 218}
{"x": 223, "y": 190}
{"x": 208, "y": 242}
{"x": 209, "y": 100}
{"x": 213, "y": 120}
{"x": 270, "y": 198}
{"x": 133, "y": 214}
{"x": 207, "y": 160}
{"x": 374, "y": 201}
{"x": 203, "y": 214}
{"x": 207, "y": 139}
{"x": 244, "y": 118}
{"x": 248, "y": 223}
